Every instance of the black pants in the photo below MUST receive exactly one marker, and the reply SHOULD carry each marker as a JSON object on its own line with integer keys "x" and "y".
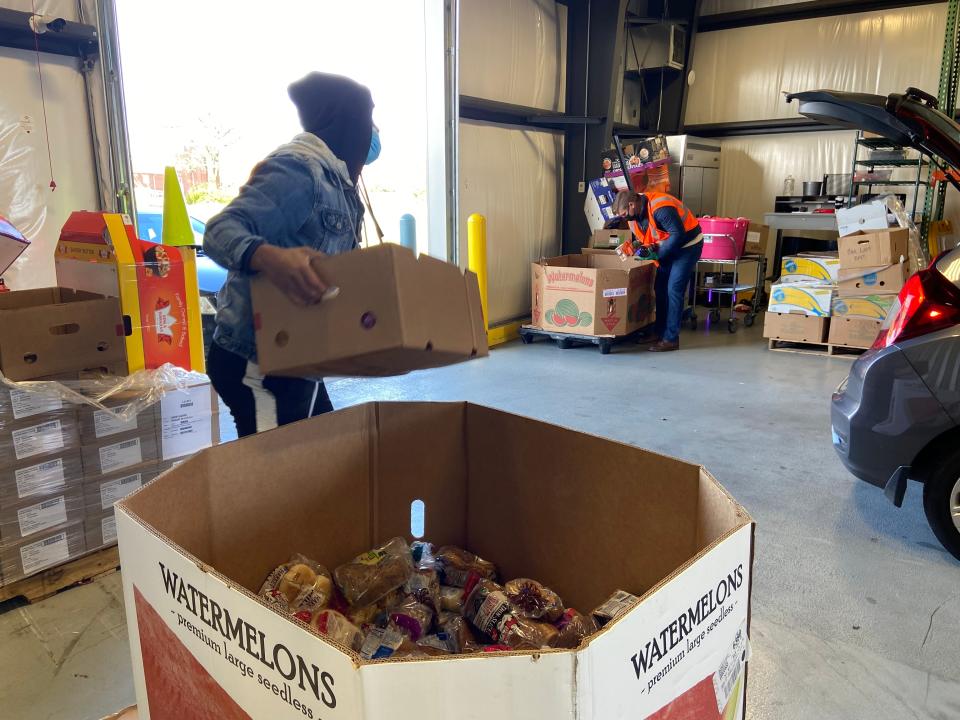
{"x": 259, "y": 403}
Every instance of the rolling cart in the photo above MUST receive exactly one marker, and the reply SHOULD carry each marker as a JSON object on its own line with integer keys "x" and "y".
{"x": 734, "y": 287}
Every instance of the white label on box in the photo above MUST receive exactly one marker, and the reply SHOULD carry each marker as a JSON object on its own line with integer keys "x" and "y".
{"x": 108, "y": 529}
{"x": 185, "y": 420}
{"x": 615, "y": 292}
{"x": 115, "y": 490}
{"x": 37, "y": 439}
{"x": 26, "y": 404}
{"x": 42, "y": 516}
{"x": 44, "y": 553}
{"x": 43, "y": 478}
{"x": 120, "y": 455}
{"x": 729, "y": 671}
{"x": 105, "y": 424}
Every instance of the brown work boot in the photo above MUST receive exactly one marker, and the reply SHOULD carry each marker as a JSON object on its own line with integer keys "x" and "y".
{"x": 664, "y": 346}
{"x": 647, "y": 339}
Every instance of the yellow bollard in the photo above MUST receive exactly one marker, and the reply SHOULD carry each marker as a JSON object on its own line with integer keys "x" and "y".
{"x": 477, "y": 257}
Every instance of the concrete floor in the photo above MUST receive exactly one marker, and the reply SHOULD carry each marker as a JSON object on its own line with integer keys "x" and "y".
{"x": 855, "y": 606}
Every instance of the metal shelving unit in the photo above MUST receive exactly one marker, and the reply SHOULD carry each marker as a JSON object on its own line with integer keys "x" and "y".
{"x": 879, "y": 144}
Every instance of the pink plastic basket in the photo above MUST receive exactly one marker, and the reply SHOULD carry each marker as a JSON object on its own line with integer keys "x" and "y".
{"x": 723, "y": 238}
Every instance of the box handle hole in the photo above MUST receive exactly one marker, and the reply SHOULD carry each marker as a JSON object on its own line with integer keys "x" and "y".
{"x": 67, "y": 329}
{"x": 30, "y": 358}
{"x": 418, "y": 515}
{"x": 102, "y": 346}
{"x": 282, "y": 338}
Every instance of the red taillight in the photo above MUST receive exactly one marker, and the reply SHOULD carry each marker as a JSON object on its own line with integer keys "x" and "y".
{"x": 927, "y": 303}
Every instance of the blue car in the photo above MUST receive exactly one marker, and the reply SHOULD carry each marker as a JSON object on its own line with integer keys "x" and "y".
{"x": 210, "y": 276}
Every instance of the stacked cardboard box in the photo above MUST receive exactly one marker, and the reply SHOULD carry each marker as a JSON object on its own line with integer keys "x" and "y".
{"x": 873, "y": 269}
{"x": 801, "y": 302}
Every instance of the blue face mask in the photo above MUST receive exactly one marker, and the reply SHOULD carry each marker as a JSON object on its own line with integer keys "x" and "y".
{"x": 374, "y": 151}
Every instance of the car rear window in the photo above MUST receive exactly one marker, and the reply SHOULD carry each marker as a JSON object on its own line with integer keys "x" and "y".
{"x": 949, "y": 266}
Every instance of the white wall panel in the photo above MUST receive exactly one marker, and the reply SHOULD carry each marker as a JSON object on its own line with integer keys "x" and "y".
{"x": 714, "y": 7}
{"x": 512, "y": 177}
{"x": 514, "y": 51}
{"x": 25, "y": 196}
{"x": 741, "y": 73}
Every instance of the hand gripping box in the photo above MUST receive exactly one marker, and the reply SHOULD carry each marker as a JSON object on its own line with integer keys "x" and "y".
{"x": 590, "y": 517}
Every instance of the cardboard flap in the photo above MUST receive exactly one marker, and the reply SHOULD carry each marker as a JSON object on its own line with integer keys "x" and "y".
{"x": 478, "y": 322}
{"x": 438, "y": 289}
{"x": 536, "y": 510}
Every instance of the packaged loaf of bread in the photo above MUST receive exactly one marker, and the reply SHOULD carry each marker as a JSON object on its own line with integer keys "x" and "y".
{"x": 614, "y": 607}
{"x": 489, "y": 610}
{"x": 436, "y": 644}
{"x": 456, "y": 565}
{"x": 412, "y": 618}
{"x": 299, "y": 575}
{"x": 533, "y": 600}
{"x": 375, "y": 613}
{"x": 383, "y": 643}
{"x": 424, "y": 585}
{"x": 451, "y": 598}
{"x": 336, "y": 627}
{"x": 573, "y": 627}
{"x": 423, "y": 556}
{"x": 370, "y": 576}
{"x": 461, "y": 637}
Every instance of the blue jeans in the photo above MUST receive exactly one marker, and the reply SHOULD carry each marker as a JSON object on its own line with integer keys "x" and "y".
{"x": 671, "y": 284}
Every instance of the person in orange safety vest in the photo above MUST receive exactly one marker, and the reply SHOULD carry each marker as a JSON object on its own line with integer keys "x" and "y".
{"x": 662, "y": 223}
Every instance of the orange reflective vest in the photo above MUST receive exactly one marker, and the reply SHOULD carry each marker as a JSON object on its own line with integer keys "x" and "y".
{"x": 655, "y": 201}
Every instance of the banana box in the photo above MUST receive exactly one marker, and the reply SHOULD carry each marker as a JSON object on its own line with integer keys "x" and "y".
{"x": 810, "y": 268}
{"x": 804, "y": 297}
{"x": 866, "y": 307}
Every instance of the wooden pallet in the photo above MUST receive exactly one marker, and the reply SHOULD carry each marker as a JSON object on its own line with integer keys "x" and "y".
{"x": 828, "y": 349}
{"x": 49, "y": 582}
{"x": 529, "y": 333}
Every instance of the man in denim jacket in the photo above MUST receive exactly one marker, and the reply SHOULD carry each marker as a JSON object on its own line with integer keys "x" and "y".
{"x": 300, "y": 202}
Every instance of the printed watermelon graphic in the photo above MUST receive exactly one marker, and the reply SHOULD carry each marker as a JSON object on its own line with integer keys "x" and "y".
{"x": 178, "y": 686}
{"x": 567, "y": 314}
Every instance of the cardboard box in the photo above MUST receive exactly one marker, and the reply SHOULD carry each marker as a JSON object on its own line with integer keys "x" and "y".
{"x": 855, "y": 332}
{"x": 38, "y": 515}
{"x": 795, "y": 327}
{"x": 598, "y": 203}
{"x": 396, "y": 312}
{"x": 758, "y": 238}
{"x": 803, "y": 297}
{"x": 865, "y": 307}
{"x": 189, "y": 421}
{"x": 17, "y": 404}
{"x": 876, "y": 249}
{"x": 100, "y": 493}
{"x": 862, "y": 218}
{"x": 97, "y": 425}
{"x": 40, "y": 476}
{"x": 27, "y": 442}
{"x": 546, "y": 515}
{"x": 53, "y": 330}
{"x": 887, "y": 280}
{"x": 816, "y": 268}
{"x": 100, "y": 530}
{"x": 119, "y": 452}
{"x": 42, "y": 552}
{"x": 592, "y": 294}
{"x": 156, "y": 285}
{"x": 609, "y": 239}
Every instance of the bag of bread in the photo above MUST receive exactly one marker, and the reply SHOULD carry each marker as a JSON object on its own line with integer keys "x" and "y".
{"x": 412, "y": 618}
{"x": 451, "y": 598}
{"x": 423, "y": 556}
{"x": 456, "y": 565}
{"x": 424, "y": 585}
{"x": 382, "y": 643}
{"x": 300, "y": 574}
{"x": 336, "y": 627}
{"x": 461, "y": 637}
{"x": 437, "y": 644}
{"x": 489, "y": 609}
{"x": 533, "y": 600}
{"x": 370, "y": 576}
{"x": 574, "y": 627}
{"x": 375, "y": 613}
{"x": 615, "y": 606}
